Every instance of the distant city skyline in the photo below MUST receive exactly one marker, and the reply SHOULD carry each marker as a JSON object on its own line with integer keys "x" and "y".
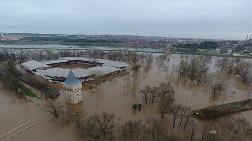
{"x": 215, "y": 19}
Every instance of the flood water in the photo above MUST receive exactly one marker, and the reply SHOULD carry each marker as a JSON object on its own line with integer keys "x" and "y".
{"x": 117, "y": 94}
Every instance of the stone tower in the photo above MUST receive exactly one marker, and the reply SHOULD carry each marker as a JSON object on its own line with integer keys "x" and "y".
{"x": 72, "y": 88}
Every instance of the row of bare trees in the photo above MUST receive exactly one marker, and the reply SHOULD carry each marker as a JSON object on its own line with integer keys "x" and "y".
{"x": 105, "y": 126}
{"x": 163, "y": 96}
{"x": 216, "y": 87}
{"x": 237, "y": 67}
{"x": 194, "y": 69}
{"x": 181, "y": 118}
{"x": 24, "y": 55}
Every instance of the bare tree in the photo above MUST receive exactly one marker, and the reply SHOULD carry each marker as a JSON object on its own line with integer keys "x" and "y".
{"x": 183, "y": 68}
{"x": 78, "y": 117}
{"x": 236, "y": 67}
{"x": 165, "y": 104}
{"x": 216, "y": 86}
{"x": 54, "y": 108}
{"x": 100, "y": 125}
{"x": 133, "y": 130}
{"x": 175, "y": 110}
{"x": 148, "y": 60}
{"x": 243, "y": 69}
{"x": 165, "y": 88}
{"x": 182, "y": 115}
{"x": 239, "y": 126}
{"x": 150, "y": 94}
{"x": 193, "y": 132}
{"x": 157, "y": 93}
{"x": 136, "y": 70}
{"x": 154, "y": 94}
{"x": 226, "y": 65}
{"x": 195, "y": 69}
{"x": 205, "y": 130}
{"x": 154, "y": 129}
{"x": 146, "y": 93}
{"x": 187, "y": 118}
{"x": 198, "y": 69}
{"x": 165, "y": 93}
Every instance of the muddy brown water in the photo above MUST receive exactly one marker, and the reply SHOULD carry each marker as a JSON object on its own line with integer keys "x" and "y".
{"x": 116, "y": 94}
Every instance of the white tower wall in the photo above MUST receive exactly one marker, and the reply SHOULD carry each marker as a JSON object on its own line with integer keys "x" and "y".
{"x": 72, "y": 89}
{"x": 73, "y": 94}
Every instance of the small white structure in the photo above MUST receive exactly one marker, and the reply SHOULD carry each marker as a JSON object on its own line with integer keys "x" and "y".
{"x": 72, "y": 88}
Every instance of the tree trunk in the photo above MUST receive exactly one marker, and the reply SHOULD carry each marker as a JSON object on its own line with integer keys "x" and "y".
{"x": 55, "y": 113}
{"x": 203, "y": 135}
{"x": 237, "y": 130}
{"x": 146, "y": 100}
{"x": 104, "y": 132}
{"x": 181, "y": 119}
{"x": 152, "y": 100}
{"x": 174, "y": 120}
{"x": 186, "y": 122}
{"x": 214, "y": 93}
{"x": 162, "y": 115}
{"x": 192, "y": 134}
{"x": 153, "y": 135}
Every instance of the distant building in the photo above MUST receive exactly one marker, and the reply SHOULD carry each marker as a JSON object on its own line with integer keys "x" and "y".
{"x": 230, "y": 50}
{"x": 7, "y": 37}
{"x": 218, "y": 50}
{"x": 72, "y": 89}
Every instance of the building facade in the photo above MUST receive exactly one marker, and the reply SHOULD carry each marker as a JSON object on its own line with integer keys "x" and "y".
{"x": 72, "y": 89}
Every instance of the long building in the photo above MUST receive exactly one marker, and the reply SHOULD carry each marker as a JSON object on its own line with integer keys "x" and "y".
{"x": 51, "y": 71}
{"x": 88, "y": 61}
{"x": 33, "y": 66}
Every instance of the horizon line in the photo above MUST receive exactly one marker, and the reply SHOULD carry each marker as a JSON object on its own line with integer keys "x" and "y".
{"x": 136, "y": 35}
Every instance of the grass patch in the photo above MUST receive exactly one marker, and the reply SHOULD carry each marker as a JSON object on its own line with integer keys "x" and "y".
{"x": 48, "y": 90}
{"x": 30, "y": 93}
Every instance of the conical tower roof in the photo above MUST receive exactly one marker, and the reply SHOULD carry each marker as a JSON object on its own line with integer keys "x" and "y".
{"x": 71, "y": 79}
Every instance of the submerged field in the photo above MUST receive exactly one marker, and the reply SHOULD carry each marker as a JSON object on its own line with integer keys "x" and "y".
{"x": 117, "y": 94}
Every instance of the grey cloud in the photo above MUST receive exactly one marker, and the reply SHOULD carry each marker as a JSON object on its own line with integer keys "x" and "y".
{"x": 227, "y": 19}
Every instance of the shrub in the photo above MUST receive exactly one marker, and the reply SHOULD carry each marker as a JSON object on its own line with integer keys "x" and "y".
{"x": 134, "y": 106}
{"x": 139, "y": 107}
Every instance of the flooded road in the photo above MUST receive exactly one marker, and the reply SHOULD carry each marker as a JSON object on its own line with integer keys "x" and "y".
{"x": 117, "y": 94}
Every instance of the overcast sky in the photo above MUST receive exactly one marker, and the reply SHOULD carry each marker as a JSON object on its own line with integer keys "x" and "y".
{"x": 223, "y": 19}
